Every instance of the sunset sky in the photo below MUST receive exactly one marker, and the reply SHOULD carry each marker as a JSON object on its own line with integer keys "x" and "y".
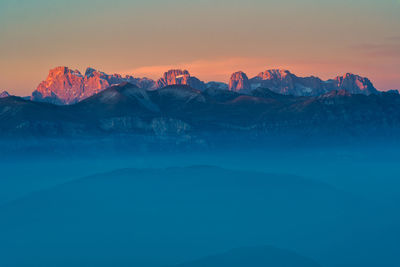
{"x": 211, "y": 38}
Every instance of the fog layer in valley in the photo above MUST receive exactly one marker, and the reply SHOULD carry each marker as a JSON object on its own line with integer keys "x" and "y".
{"x": 327, "y": 206}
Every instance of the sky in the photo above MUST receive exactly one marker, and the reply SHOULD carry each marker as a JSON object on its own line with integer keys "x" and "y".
{"x": 210, "y": 38}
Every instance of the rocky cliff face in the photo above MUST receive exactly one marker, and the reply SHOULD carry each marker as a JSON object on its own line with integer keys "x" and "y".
{"x": 4, "y": 94}
{"x": 239, "y": 82}
{"x": 62, "y": 85}
{"x": 67, "y": 86}
{"x": 180, "y": 77}
{"x": 354, "y": 84}
{"x": 284, "y": 82}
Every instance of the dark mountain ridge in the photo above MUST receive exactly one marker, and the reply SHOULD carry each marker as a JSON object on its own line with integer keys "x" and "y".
{"x": 182, "y": 110}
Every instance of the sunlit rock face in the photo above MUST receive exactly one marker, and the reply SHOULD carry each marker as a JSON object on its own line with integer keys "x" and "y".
{"x": 67, "y": 86}
{"x": 4, "y": 94}
{"x": 239, "y": 82}
{"x": 180, "y": 77}
{"x": 284, "y": 82}
{"x": 63, "y": 85}
{"x": 354, "y": 84}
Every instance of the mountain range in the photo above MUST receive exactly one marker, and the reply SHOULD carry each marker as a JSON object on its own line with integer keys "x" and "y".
{"x": 67, "y": 86}
{"x": 185, "y": 111}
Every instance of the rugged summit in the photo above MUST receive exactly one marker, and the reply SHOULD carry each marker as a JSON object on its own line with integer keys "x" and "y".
{"x": 284, "y": 82}
{"x": 239, "y": 82}
{"x": 67, "y": 86}
{"x": 354, "y": 84}
{"x": 4, "y": 94}
{"x": 180, "y": 77}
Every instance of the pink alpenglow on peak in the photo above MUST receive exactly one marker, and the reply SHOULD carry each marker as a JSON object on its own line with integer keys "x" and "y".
{"x": 273, "y": 74}
{"x": 182, "y": 77}
{"x": 239, "y": 82}
{"x": 284, "y": 82}
{"x": 354, "y": 84}
{"x": 67, "y": 86}
{"x": 62, "y": 86}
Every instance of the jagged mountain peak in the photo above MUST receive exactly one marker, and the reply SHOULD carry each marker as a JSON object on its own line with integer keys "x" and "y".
{"x": 354, "y": 84}
{"x": 350, "y": 76}
{"x": 174, "y": 76}
{"x": 66, "y": 86}
{"x": 4, "y": 94}
{"x": 273, "y": 73}
{"x": 176, "y": 72}
{"x": 180, "y": 77}
{"x": 63, "y": 70}
{"x": 284, "y": 82}
{"x": 239, "y": 82}
{"x": 89, "y": 71}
